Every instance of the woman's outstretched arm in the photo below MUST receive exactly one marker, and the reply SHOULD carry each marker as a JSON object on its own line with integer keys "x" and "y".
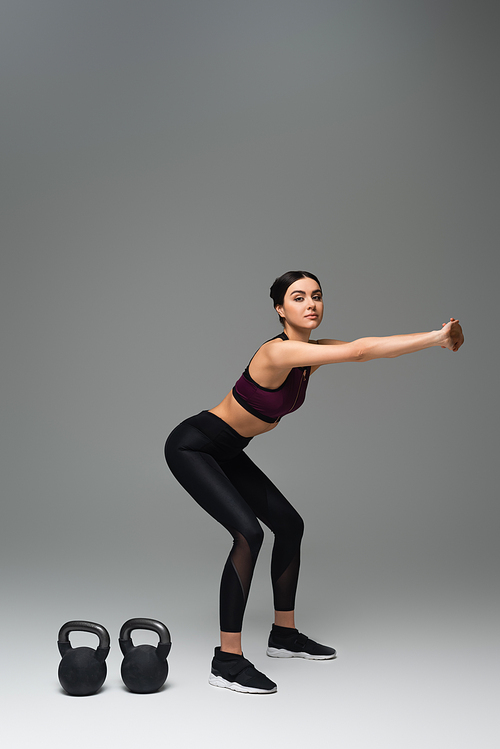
{"x": 286, "y": 354}
{"x": 450, "y": 337}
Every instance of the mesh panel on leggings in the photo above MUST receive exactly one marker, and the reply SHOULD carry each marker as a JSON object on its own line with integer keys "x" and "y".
{"x": 285, "y": 586}
{"x": 235, "y": 583}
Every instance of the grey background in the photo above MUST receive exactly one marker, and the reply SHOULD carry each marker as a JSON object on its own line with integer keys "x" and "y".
{"x": 162, "y": 163}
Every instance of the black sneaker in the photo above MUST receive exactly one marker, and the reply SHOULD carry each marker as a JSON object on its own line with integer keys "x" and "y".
{"x": 295, "y": 645}
{"x": 232, "y": 671}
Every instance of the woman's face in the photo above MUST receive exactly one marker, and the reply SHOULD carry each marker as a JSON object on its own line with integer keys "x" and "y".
{"x": 303, "y": 304}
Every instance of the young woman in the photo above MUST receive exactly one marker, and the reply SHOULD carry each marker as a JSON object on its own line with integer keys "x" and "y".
{"x": 206, "y": 455}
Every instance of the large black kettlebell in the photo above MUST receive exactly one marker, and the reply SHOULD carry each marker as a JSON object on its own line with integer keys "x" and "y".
{"x": 144, "y": 667}
{"x": 82, "y": 671}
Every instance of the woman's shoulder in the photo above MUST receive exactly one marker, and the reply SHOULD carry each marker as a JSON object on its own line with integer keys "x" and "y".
{"x": 263, "y": 355}
{"x": 276, "y": 340}
{"x": 268, "y": 353}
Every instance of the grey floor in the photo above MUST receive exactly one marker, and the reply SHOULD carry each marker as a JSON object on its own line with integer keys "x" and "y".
{"x": 419, "y": 671}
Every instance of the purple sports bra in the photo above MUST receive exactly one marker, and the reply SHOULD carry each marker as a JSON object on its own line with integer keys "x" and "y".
{"x": 268, "y": 404}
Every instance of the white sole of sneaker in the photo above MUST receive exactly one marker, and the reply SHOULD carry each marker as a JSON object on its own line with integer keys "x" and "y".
{"x": 282, "y": 653}
{"x": 218, "y": 681}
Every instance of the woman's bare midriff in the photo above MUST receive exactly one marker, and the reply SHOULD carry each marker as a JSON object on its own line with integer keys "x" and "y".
{"x": 246, "y": 424}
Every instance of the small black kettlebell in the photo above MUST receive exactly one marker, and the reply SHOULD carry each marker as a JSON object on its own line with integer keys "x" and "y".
{"x": 82, "y": 671}
{"x": 144, "y": 667}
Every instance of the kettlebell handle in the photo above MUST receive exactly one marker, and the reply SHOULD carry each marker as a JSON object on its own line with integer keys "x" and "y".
{"x": 102, "y": 633}
{"x": 153, "y": 625}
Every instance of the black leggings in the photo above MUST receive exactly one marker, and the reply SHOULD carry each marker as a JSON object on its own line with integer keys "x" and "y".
{"x": 206, "y": 456}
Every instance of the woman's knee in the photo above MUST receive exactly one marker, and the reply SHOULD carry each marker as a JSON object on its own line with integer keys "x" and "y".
{"x": 291, "y": 525}
{"x": 296, "y": 526}
{"x": 252, "y": 537}
{"x": 256, "y": 539}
